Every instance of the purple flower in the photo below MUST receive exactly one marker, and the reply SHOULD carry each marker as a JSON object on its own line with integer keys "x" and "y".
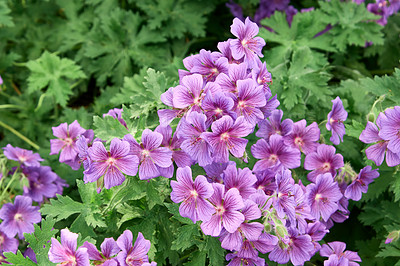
{"x": 266, "y": 182}
{"x": 190, "y": 93}
{"x": 273, "y": 125}
{"x": 8, "y": 244}
{"x": 111, "y": 164}
{"x": 136, "y": 255}
{"x": 303, "y": 138}
{"x": 226, "y": 137}
{"x": 216, "y": 106}
{"x": 336, "y": 117}
{"x": 194, "y": 195}
{"x": 298, "y": 248}
{"x": 284, "y": 202}
{"x": 19, "y": 217}
{"x": 274, "y": 154}
{"x": 116, "y": 113}
{"x": 1, "y": 80}
{"x": 360, "y": 184}
{"x": 209, "y": 65}
{"x": 242, "y": 179}
{"x": 335, "y": 251}
{"x": 236, "y": 72}
{"x": 41, "y": 183}
{"x": 261, "y": 75}
{"x": 189, "y": 133}
{"x": 25, "y": 157}
{"x": 30, "y": 254}
{"x": 247, "y": 45}
{"x": 109, "y": 248}
{"x": 390, "y": 128}
{"x": 377, "y": 151}
{"x": 150, "y": 154}
{"x": 317, "y": 231}
{"x": 236, "y": 260}
{"x": 248, "y": 100}
{"x": 227, "y": 206}
{"x": 65, "y": 253}
{"x": 323, "y": 197}
{"x": 324, "y": 160}
{"x": 67, "y": 137}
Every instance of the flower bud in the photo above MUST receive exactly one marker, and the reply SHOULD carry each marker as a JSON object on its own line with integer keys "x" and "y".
{"x": 393, "y": 236}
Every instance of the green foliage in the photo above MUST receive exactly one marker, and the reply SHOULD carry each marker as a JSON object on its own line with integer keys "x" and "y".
{"x": 19, "y": 259}
{"x": 50, "y": 71}
{"x": 353, "y": 24}
{"x": 108, "y": 128}
{"x": 5, "y": 18}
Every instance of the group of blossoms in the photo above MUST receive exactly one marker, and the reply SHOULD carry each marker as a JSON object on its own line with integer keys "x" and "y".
{"x": 40, "y": 183}
{"x": 259, "y": 210}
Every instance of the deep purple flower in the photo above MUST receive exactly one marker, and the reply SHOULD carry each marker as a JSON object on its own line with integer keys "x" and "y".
{"x": 324, "y": 160}
{"x": 19, "y": 217}
{"x": 323, "y": 196}
{"x": 209, "y": 65}
{"x": 109, "y": 248}
{"x": 66, "y": 142}
{"x": 266, "y": 181}
{"x": 377, "y": 151}
{"x": 25, "y": 157}
{"x": 189, "y": 93}
{"x": 225, "y": 49}
{"x": 194, "y": 195}
{"x": 8, "y": 244}
{"x": 30, "y": 254}
{"x": 242, "y": 179}
{"x": 274, "y": 154}
{"x": 261, "y": 75}
{"x": 41, "y": 183}
{"x": 380, "y": 8}
{"x": 116, "y": 113}
{"x": 302, "y": 209}
{"x": 336, "y": 249}
{"x": 235, "y": 9}
{"x": 214, "y": 171}
{"x": 317, "y": 231}
{"x": 136, "y": 255}
{"x": 227, "y": 215}
{"x": 150, "y": 154}
{"x": 83, "y": 144}
{"x": 236, "y": 260}
{"x": 247, "y": 45}
{"x": 284, "y": 202}
{"x": 273, "y": 125}
{"x": 193, "y": 144}
{"x": 336, "y": 117}
{"x": 298, "y": 248}
{"x": 249, "y": 98}
{"x": 111, "y": 164}
{"x": 227, "y": 137}
{"x": 291, "y": 11}
{"x": 303, "y": 138}
{"x": 360, "y": 184}
{"x": 65, "y": 253}
{"x": 390, "y": 129}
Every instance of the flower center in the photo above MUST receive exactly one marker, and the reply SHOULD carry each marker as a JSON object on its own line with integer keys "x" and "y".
{"x": 326, "y": 167}
{"x": 241, "y": 104}
{"x": 220, "y": 210}
{"x": 68, "y": 141}
{"x": 244, "y": 43}
{"x": 273, "y": 158}
{"x": 18, "y": 217}
{"x": 194, "y": 194}
{"x": 131, "y": 260}
{"x": 218, "y": 111}
{"x": 145, "y": 153}
{"x": 111, "y": 161}
{"x": 224, "y": 136}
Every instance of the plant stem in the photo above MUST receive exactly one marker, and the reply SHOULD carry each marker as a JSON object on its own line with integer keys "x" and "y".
{"x": 20, "y": 135}
{"x": 9, "y": 184}
{"x": 7, "y": 106}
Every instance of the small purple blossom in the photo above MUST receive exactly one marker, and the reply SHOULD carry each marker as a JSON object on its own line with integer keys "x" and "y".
{"x": 109, "y": 249}
{"x": 323, "y": 197}
{"x": 216, "y": 106}
{"x": 303, "y": 138}
{"x": 390, "y": 129}
{"x": 116, "y": 113}
{"x": 247, "y": 45}
{"x": 273, "y": 125}
{"x": 25, "y": 157}
{"x": 242, "y": 179}
{"x": 227, "y": 215}
{"x": 111, "y": 164}
{"x": 41, "y": 183}
{"x": 8, "y": 244}
{"x": 236, "y": 72}
{"x": 132, "y": 255}
{"x": 19, "y": 217}
{"x": 336, "y": 117}
{"x": 324, "y": 160}
{"x": 65, "y": 253}
{"x": 336, "y": 252}
{"x": 193, "y": 194}
{"x": 227, "y": 137}
{"x": 360, "y": 184}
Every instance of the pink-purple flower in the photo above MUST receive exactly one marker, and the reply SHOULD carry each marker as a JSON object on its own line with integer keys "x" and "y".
{"x": 19, "y": 218}
{"x": 360, "y": 183}
{"x": 193, "y": 195}
{"x": 25, "y": 157}
{"x": 111, "y": 164}
{"x": 66, "y": 252}
{"x": 132, "y": 255}
{"x": 337, "y": 255}
{"x": 109, "y": 249}
{"x": 336, "y": 117}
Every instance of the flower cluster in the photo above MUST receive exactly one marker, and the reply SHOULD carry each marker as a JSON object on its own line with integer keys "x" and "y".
{"x": 385, "y": 138}
{"x": 261, "y": 209}
{"x": 113, "y": 253}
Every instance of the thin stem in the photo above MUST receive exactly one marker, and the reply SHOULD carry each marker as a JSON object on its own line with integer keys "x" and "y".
{"x": 323, "y": 122}
{"x": 40, "y": 102}
{"x": 114, "y": 196}
{"x": 76, "y": 84}
{"x": 9, "y": 184}
{"x": 20, "y": 135}
{"x": 10, "y": 106}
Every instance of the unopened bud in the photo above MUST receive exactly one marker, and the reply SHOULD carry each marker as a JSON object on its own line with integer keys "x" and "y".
{"x": 393, "y": 236}
{"x": 281, "y": 230}
{"x": 371, "y": 117}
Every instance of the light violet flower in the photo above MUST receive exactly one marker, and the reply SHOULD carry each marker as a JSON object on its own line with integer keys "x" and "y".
{"x": 25, "y": 157}
{"x": 109, "y": 248}
{"x": 360, "y": 184}
{"x": 65, "y": 253}
{"x": 8, "y": 244}
{"x": 336, "y": 117}
{"x": 132, "y": 255}
{"x": 336, "y": 252}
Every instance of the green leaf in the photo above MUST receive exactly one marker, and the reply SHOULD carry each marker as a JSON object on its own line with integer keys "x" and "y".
{"x": 215, "y": 252}
{"x": 52, "y": 72}
{"x": 186, "y": 237}
{"x": 39, "y": 240}
{"x": 5, "y": 18}
{"x": 353, "y": 24}
{"x": 197, "y": 258}
{"x": 61, "y": 208}
{"x": 354, "y": 130}
{"x": 174, "y": 210}
{"x": 108, "y": 128}
{"x": 18, "y": 259}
